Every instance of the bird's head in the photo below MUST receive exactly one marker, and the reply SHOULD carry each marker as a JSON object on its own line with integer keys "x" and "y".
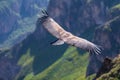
{"x": 43, "y": 18}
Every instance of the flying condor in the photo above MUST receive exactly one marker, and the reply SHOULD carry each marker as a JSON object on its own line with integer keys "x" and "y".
{"x": 64, "y": 36}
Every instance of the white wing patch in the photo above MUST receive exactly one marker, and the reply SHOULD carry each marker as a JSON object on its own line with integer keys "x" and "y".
{"x": 58, "y": 42}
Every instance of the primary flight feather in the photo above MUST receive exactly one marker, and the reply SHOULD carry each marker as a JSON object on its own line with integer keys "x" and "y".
{"x": 64, "y": 36}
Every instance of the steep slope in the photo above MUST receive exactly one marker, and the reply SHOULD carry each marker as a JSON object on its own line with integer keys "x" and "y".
{"x": 14, "y": 16}
{"x": 78, "y": 16}
{"x": 8, "y": 17}
{"x": 108, "y": 37}
{"x": 114, "y": 72}
{"x": 70, "y": 66}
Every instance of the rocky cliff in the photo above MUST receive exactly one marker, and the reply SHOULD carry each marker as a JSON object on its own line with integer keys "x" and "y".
{"x": 107, "y": 36}
{"x": 113, "y": 72}
{"x": 12, "y": 12}
{"x": 79, "y": 15}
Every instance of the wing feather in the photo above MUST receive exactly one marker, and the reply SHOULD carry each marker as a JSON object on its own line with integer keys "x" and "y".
{"x": 85, "y": 44}
{"x": 92, "y": 47}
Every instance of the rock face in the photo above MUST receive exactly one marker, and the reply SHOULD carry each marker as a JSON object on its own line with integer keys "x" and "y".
{"x": 78, "y": 15}
{"x": 11, "y": 12}
{"x": 106, "y": 66}
{"x": 114, "y": 70}
{"x": 8, "y": 69}
{"x": 108, "y": 37}
{"x": 8, "y": 17}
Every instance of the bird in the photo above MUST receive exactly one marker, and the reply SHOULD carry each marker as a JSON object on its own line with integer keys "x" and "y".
{"x": 64, "y": 36}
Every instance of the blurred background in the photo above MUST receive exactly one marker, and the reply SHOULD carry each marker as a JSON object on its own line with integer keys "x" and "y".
{"x": 26, "y": 53}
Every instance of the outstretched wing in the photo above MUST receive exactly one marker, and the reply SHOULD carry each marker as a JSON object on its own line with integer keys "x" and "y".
{"x": 91, "y": 47}
{"x": 84, "y": 44}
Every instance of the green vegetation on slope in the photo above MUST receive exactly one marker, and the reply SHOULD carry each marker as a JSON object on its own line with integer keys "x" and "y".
{"x": 115, "y": 10}
{"x": 71, "y": 66}
{"x": 26, "y": 63}
{"x": 116, "y": 7}
{"x": 114, "y": 73}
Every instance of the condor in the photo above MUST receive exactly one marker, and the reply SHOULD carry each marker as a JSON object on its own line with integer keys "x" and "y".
{"x": 64, "y": 36}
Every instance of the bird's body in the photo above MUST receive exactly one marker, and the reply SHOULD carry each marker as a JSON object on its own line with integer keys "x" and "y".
{"x": 64, "y": 36}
